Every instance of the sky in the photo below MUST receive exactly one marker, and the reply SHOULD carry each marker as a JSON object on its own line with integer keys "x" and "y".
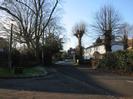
{"x": 76, "y": 11}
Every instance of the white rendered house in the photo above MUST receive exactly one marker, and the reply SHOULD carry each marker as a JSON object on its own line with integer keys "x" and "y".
{"x": 100, "y": 48}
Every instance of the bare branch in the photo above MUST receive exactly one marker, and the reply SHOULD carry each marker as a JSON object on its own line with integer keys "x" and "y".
{"x": 9, "y": 12}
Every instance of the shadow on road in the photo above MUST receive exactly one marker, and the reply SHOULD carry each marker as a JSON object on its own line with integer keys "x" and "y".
{"x": 65, "y": 79}
{"x": 93, "y": 86}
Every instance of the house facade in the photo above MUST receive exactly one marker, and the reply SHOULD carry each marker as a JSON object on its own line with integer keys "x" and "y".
{"x": 100, "y": 48}
{"x": 89, "y": 51}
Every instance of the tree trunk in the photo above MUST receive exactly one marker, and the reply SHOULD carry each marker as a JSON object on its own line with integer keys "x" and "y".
{"x": 80, "y": 49}
{"x": 125, "y": 42}
{"x": 107, "y": 41}
{"x": 37, "y": 50}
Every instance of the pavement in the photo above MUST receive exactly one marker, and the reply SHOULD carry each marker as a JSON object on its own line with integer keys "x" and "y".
{"x": 66, "y": 81}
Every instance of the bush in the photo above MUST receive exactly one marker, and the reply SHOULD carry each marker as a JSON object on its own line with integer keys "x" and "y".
{"x": 4, "y": 59}
{"x": 27, "y": 59}
{"x": 15, "y": 57}
{"x": 23, "y": 59}
{"x": 121, "y": 60}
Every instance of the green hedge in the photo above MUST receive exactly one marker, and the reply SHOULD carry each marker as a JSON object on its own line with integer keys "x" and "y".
{"x": 121, "y": 60}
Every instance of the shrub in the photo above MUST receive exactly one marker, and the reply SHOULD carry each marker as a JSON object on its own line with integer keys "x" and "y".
{"x": 121, "y": 60}
{"x": 15, "y": 57}
{"x": 27, "y": 59}
{"x": 4, "y": 59}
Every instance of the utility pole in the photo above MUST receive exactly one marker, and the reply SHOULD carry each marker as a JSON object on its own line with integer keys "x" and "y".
{"x": 132, "y": 42}
{"x": 43, "y": 48}
{"x": 10, "y": 48}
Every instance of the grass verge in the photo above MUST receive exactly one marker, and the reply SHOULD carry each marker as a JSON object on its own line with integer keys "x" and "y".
{"x": 32, "y": 71}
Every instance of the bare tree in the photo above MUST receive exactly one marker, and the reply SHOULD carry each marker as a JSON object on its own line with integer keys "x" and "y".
{"x": 31, "y": 19}
{"x": 126, "y": 30}
{"x": 79, "y": 30}
{"x": 51, "y": 41}
{"x": 107, "y": 23}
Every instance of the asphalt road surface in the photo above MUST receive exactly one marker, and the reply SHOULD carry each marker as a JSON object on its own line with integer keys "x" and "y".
{"x": 65, "y": 81}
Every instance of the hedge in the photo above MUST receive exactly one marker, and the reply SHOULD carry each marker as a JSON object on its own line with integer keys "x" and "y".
{"x": 120, "y": 60}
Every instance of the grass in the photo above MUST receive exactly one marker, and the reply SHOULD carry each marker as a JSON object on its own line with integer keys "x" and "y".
{"x": 6, "y": 72}
{"x": 32, "y": 71}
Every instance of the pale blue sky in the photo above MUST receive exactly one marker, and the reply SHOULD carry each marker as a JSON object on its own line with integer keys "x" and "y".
{"x": 84, "y": 10}
{"x": 76, "y": 11}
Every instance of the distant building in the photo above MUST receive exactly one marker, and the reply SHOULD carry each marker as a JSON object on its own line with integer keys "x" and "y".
{"x": 71, "y": 52}
{"x": 130, "y": 43}
{"x": 99, "y": 49}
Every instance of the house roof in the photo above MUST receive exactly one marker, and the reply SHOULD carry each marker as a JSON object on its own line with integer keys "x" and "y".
{"x": 95, "y": 45}
{"x": 99, "y": 44}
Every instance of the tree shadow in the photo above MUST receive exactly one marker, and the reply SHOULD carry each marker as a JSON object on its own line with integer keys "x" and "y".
{"x": 68, "y": 80}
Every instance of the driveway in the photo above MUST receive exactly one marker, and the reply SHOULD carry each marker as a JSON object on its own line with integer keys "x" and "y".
{"x": 68, "y": 81}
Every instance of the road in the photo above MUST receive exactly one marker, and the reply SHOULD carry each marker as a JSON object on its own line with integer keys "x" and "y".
{"x": 107, "y": 83}
{"x": 68, "y": 81}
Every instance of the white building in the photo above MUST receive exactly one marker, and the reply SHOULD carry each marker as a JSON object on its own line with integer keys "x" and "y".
{"x": 100, "y": 48}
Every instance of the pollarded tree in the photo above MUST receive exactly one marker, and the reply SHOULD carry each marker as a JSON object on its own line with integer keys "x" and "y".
{"x": 79, "y": 30}
{"x": 107, "y": 23}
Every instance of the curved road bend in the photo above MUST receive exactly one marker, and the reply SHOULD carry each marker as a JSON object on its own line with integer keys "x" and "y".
{"x": 67, "y": 81}
{"x": 101, "y": 83}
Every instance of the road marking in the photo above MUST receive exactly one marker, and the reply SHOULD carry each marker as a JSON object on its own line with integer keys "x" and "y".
{"x": 130, "y": 81}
